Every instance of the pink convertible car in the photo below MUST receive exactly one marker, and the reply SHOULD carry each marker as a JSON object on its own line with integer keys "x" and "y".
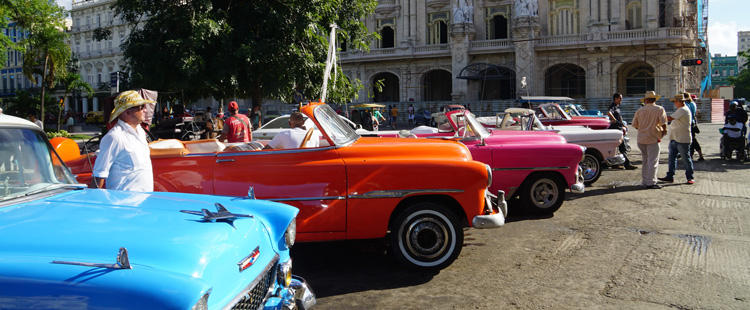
{"x": 520, "y": 160}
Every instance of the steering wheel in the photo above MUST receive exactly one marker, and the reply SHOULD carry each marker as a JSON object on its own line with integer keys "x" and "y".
{"x": 307, "y": 137}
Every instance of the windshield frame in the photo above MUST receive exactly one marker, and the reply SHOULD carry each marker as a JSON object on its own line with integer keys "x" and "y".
{"x": 27, "y": 148}
{"x": 333, "y": 128}
{"x": 480, "y": 131}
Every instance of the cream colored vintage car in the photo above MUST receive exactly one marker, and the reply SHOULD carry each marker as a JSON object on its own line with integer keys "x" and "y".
{"x": 601, "y": 145}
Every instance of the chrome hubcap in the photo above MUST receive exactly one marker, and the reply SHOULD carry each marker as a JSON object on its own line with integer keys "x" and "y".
{"x": 426, "y": 238}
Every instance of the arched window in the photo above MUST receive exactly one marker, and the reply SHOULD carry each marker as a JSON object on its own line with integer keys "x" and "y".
{"x": 437, "y": 28}
{"x": 390, "y": 89}
{"x": 438, "y": 85}
{"x": 497, "y": 21}
{"x": 635, "y": 15}
{"x": 387, "y": 30}
{"x": 565, "y": 80}
{"x": 564, "y": 17}
{"x": 636, "y": 78}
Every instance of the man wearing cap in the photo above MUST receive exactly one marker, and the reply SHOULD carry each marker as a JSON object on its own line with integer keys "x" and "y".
{"x": 236, "y": 126}
{"x": 679, "y": 140}
{"x": 124, "y": 159}
{"x": 651, "y": 123}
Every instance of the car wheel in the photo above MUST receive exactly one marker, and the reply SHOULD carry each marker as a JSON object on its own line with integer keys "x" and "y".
{"x": 592, "y": 168}
{"x": 543, "y": 194}
{"x": 427, "y": 236}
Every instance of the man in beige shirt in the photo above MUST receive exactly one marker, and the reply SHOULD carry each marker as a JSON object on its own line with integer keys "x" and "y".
{"x": 651, "y": 123}
{"x": 679, "y": 139}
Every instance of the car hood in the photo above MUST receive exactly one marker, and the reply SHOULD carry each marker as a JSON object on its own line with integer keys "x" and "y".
{"x": 524, "y": 137}
{"x": 574, "y": 136}
{"x": 406, "y": 148}
{"x": 91, "y": 225}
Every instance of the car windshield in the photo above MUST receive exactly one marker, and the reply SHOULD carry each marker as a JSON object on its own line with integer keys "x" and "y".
{"x": 334, "y": 127}
{"x": 553, "y": 112}
{"x": 571, "y": 109}
{"x": 29, "y": 165}
{"x": 467, "y": 121}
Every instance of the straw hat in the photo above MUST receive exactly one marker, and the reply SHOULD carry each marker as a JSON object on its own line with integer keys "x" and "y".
{"x": 126, "y": 100}
{"x": 651, "y": 94}
{"x": 679, "y": 97}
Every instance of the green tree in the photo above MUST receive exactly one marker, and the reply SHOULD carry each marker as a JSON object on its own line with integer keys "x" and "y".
{"x": 240, "y": 49}
{"x": 73, "y": 82}
{"x": 741, "y": 82}
{"x": 45, "y": 51}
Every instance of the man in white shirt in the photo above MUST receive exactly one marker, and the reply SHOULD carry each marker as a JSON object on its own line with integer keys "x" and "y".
{"x": 292, "y": 138}
{"x": 679, "y": 140}
{"x": 124, "y": 159}
{"x": 33, "y": 119}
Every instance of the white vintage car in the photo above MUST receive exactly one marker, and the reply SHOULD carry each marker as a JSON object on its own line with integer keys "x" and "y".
{"x": 281, "y": 123}
{"x": 601, "y": 145}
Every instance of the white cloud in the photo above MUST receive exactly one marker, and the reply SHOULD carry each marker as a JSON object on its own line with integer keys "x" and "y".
{"x": 722, "y": 38}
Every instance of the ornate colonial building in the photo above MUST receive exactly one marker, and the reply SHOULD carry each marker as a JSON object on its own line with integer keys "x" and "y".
{"x": 96, "y": 59}
{"x": 467, "y": 50}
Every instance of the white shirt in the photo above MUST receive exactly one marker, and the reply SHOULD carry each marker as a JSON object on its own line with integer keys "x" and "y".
{"x": 292, "y": 138}
{"x": 125, "y": 159}
{"x": 39, "y": 123}
{"x": 733, "y": 133}
{"x": 680, "y": 127}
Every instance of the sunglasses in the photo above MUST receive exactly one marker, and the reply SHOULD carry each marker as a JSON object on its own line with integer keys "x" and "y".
{"x": 139, "y": 108}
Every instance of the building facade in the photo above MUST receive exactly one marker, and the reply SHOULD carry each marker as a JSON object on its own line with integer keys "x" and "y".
{"x": 11, "y": 73}
{"x": 743, "y": 45}
{"x": 467, "y": 50}
{"x": 96, "y": 59}
{"x": 722, "y": 67}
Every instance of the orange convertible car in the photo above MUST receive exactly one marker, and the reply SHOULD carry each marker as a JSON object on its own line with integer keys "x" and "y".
{"x": 418, "y": 192}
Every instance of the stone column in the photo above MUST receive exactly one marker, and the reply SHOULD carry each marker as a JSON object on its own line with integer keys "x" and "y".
{"x": 96, "y": 104}
{"x": 85, "y": 108}
{"x": 462, "y": 33}
{"x": 525, "y": 29}
{"x": 651, "y": 12}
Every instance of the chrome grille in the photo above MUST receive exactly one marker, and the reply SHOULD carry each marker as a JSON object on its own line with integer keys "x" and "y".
{"x": 255, "y": 298}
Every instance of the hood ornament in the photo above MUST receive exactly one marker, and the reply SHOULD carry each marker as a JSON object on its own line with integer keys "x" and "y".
{"x": 123, "y": 262}
{"x": 221, "y": 215}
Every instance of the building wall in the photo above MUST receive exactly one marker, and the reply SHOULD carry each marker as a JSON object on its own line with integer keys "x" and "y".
{"x": 11, "y": 76}
{"x": 602, "y": 42}
{"x": 722, "y": 68}
{"x": 743, "y": 45}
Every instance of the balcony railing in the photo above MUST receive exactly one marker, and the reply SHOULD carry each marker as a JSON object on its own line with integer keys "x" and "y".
{"x": 422, "y": 51}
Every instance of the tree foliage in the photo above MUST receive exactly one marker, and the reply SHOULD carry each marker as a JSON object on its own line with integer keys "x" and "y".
{"x": 45, "y": 52}
{"x": 240, "y": 49}
{"x": 741, "y": 82}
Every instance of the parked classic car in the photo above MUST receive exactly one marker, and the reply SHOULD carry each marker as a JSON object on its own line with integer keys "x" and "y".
{"x": 281, "y": 123}
{"x": 551, "y": 114}
{"x": 95, "y": 117}
{"x": 422, "y": 116}
{"x": 601, "y": 145}
{"x": 439, "y": 116}
{"x": 522, "y": 162}
{"x": 575, "y": 109}
{"x": 64, "y": 246}
{"x": 350, "y": 187}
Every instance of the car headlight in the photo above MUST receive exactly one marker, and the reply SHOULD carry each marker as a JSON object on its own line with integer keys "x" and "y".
{"x": 285, "y": 273}
{"x": 202, "y": 303}
{"x": 291, "y": 233}
{"x": 489, "y": 174}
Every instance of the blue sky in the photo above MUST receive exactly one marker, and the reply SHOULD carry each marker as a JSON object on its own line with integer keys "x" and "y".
{"x": 725, "y": 18}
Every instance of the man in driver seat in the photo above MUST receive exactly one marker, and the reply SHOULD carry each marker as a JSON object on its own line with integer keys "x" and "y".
{"x": 292, "y": 138}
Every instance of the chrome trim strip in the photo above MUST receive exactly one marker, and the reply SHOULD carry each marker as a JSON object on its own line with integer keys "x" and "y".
{"x": 255, "y": 282}
{"x": 402, "y": 193}
{"x": 529, "y": 168}
{"x": 266, "y": 152}
{"x": 123, "y": 262}
{"x": 307, "y": 198}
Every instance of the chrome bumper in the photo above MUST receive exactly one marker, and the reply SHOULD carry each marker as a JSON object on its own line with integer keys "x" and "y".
{"x": 299, "y": 295}
{"x": 496, "y": 208}
{"x": 578, "y": 187}
{"x": 617, "y": 160}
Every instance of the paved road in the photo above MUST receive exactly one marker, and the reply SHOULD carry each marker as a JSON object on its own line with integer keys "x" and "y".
{"x": 618, "y": 246}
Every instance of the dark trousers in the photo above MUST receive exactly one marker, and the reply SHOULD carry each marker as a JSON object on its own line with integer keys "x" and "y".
{"x": 694, "y": 146}
{"x": 624, "y": 152}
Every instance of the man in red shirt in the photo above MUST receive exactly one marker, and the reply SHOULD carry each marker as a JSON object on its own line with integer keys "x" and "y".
{"x": 236, "y": 126}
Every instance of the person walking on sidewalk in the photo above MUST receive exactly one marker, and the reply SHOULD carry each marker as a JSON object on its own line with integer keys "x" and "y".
{"x": 651, "y": 122}
{"x": 694, "y": 146}
{"x": 679, "y": 140}
{"x": 615, "y": 120}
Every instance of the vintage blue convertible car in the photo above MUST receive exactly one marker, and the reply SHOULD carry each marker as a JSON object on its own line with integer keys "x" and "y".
{"x": 63, "y": 246}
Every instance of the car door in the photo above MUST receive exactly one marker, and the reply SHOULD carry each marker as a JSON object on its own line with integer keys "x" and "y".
{"x": 313, "y": 180}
